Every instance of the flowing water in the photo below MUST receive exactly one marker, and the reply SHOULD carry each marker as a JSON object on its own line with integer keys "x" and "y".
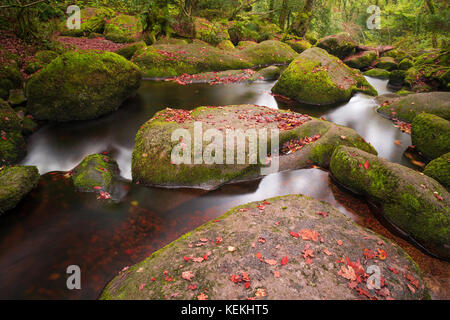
{"x": 55, "y": 226}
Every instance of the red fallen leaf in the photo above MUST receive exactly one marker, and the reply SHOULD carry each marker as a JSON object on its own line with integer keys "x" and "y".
{"x": 382, "y": 254}
{"x": 339, "y": 242}
{"x": 284, "y": 260}
{"x": 245, "y": 276}
{"x": 219, "y": 240}
{"x": 168, "y": 279}
{"x": 352, "y": 284}
{"x": 247, "y": 285}
{"x": 186, "y": 258}
{"x": 270, "y": 262}
{"x": 393, "y": 270}
{"x": 307, "y": 234}
{"x": 235, "y": 278}
{"x": 363, "y": 292}
{"x": 199, "y": 259}
{"x": 153, "y": 279}
{"x": 348, "y": 273}
{"x": 367, "y": 165}
{"x": 413, "y": 281}
{"x": 141, "y": 286}
{"x": 205, "y": 257}
{"x": 97, "y": 187}
{"x": 438, "y": 197}
{"x": 294, "y": 234}
{"x": 259, "y": 256}
{"x": 262, "y": 240}
{"x": 187, "y": 275}
{"x": 204, "y": 239}
{"x": 192, "y": 286}
{"x": 323, "y": 214}
{"x": 411, "y": 288}
{"x": 369, "y": 254}
{"x": 202, "y": 296}
{"x": 276, "y": 274}
{"x": 328, "y": 253}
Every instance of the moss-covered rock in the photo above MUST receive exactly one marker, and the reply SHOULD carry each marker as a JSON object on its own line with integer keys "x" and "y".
{"x": 299, "y": 45}
{"x": 226, "y": 45}
{"x": 15, "y": 183}
{"x": 439, "y": 170}
{"x": 10, "y": 78}
{"x": 340, "y": 45}
{"x": 411, "y": 201}
{"x": 92, "y": 21}
{"x": 319, "y": 78}
{"x": 128, "y": 51}
{"x": 253, "y": 246}
{"x": 172, "y": 60}
{"x": 396, "y": 79}
{"x": 244, "y": 31}
{"x": 398, "y": 54}
{"x": 246, "y": 44}
{"x": 40, "y": 60}
{"x": 361, "y": 60}
{"x": 387, "y": 63}
{"x": 12, "y": 143}
{"x": 81, "y": 85}
{"x": 268, "y": 73}
{"x": 152, "y": 154}
{"x": 95, "y": 172}
{"x": 16, "y": 97}
{"x": 212, "y": 33}
{"x": 377, "y": 73}
{"x": 431, "y": 135}
{"x": 123, "y": 28}
{"x": 405, "y": 64}
{"x": 406, "y": 108}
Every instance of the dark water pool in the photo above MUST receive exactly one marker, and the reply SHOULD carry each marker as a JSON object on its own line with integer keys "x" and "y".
{"x": 55, "y": 227}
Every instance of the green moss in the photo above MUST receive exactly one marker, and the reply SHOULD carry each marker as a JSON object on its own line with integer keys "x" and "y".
{"x": 226, "y": 45}
{"x": 128, "y": 51}
{"x": 40, "y": 60}
{"x": 362, "y": 60}
{"x": 299, "y": 45}
{"x": 405, "y": 64}
{"x": 387, "y": 63}
{"x": 431, "y": 135}
{"x": 212, "y": 33}
{"x": 377, "y": 73}
{"x": 92, "y": 21}
{"x": 123, "y": 28}
{"x": 95, "y": 170}
{"x": 10, "y": 78}
{"x": 340, "y": 45}
{"x": 81, "y": 85}
{"x": 15, "y": 183}
{"x": 397, "y": 78}
{"x": 439, "y": 170}
{"x": 317, "y": 77}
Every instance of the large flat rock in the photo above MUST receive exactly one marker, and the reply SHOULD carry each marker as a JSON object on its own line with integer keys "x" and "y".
{"x": 290, "y": 247}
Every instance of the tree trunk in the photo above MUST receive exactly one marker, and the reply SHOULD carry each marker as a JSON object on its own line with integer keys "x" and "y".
{"x": 283, "y": 14}
{"x": 303, "y": 19}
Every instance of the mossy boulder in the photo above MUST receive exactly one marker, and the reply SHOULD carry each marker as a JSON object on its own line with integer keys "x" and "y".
{"x": 405, "y": 64}
{"x": 81, "y": 85}
{"x": 250, "y": 253}
{"x": 411, "y": 201}
{"x": 268, "y": 73}
{"x": 396, "y": 79}
{"x": 226, "y": 45}
{"x": 430, "y": 134}
{"x": 398, "y": 54}
{"x": 16, "y": 97}
{"x": 123, "y": 28}
{"x": 387, "y": 63}
{"x": 12, "y": 143}
{"x": 318, "y": 78}
{"x": 361, "y": 60}
{"x": 406, "y": 108}
{"x": 246, "y": 44}
{"x": 15, "y": 183}
{"x": 340, "y": 45}
{"x": 377, "y": 73}
{"x": 96, "y": 172}
{"x": 244, "y": 31}
{"x": 299, "y": 45}
{"x": 128, "y": 51}
{"x": 210, "y": 32}
{"x": 439, "y": 170}
{"x": 152, "y": 161}
{"x": 40, "y": 60}
{"x": 10, "y": 78}
{"x": 159, "y": 61}
{"x": 92, "y": 21}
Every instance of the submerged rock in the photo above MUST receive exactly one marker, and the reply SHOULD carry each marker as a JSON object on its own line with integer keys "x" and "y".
{"x": 318, "y": 78}
{"x": 96, "y": 172}
{"x": 340, "y": 45}
{"x": 170, "y": 60}
{"x": 281, "y": 248}
{"x": 439, "y": 170}
{"x": 377, "y": 73}
{"x": 406, "y": 108}
{"x": 15, "y": 183}
{"x": 411, "y": 201}
{"x": 430, "y": 134}
{"x": 81, "y": 85}
{"x": 123, "y": 28}
{"x": 152, "y": 161}
{"x": 12, "y": 143}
